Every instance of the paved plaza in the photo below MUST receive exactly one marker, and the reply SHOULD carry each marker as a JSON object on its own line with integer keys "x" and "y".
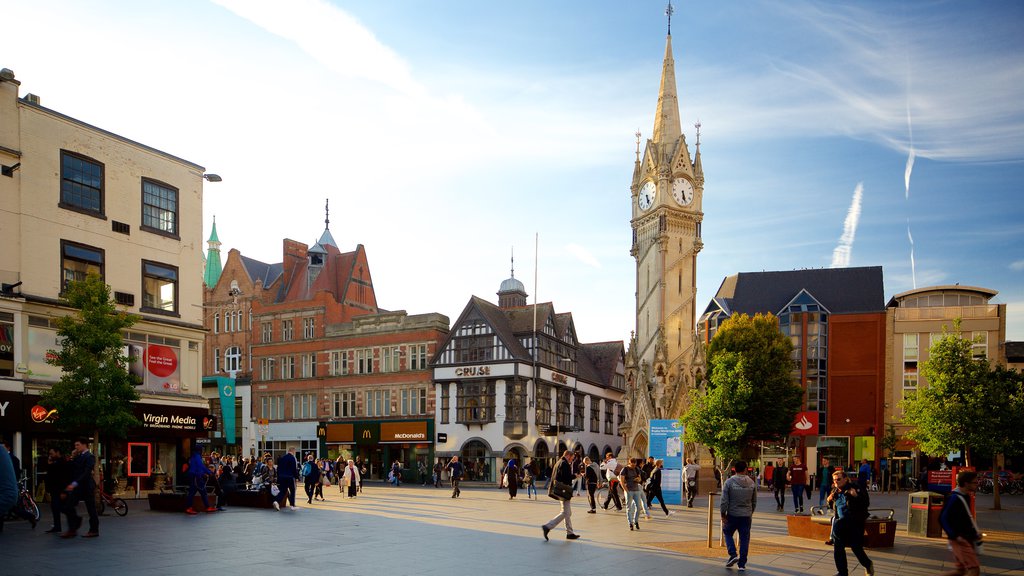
{"x": 422, "y": 531}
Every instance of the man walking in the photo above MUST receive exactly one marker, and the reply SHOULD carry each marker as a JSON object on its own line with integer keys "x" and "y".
{"x": 563, "y": 473}
{"x": 797, "y": 480}
{"x": 58, "y": 475}
{"x": 82, "y": 487}
{"x": 590, "y": 477}
{"x": 631, "y": 481}
{"x": 310, "y": 477}
{"x": 690, "y": 471}
{"x": 958, "y": 523}
{"x": 287, "y": 470}
{"x": 611, "y": 470}
{"x": 824, "y": 475}
{"x": 779, "y": 484}
{"x": 851, "y": 506}
{"x": 739, "y": 500}
{"x": 455, "y": 472}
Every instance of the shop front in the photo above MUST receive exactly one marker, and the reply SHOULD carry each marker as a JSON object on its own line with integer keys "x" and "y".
{"x": 378, "y": 444}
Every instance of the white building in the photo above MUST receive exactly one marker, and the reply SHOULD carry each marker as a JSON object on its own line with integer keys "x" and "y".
{"x": 512, "y": 380}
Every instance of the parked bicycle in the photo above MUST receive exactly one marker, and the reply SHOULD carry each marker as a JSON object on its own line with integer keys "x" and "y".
{"x": 119, "y": 505}
{"x": 25, "y": 503}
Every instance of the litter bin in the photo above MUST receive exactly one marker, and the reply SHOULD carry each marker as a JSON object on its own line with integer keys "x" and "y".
{"x": 923, "y": 513}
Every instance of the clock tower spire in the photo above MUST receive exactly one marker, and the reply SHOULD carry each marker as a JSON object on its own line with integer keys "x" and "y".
{"x": 664, "y": 359}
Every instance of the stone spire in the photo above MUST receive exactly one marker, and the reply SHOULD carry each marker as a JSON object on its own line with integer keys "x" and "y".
{"x": 667, "y": 128}
{"x": 211, "y": 275}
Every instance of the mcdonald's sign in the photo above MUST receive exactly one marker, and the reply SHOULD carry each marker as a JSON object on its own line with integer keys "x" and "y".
{"x": 367, "y": 432}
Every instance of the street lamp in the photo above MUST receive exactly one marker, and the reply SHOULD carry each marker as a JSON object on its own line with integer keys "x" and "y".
{"x": 212, "y": 178}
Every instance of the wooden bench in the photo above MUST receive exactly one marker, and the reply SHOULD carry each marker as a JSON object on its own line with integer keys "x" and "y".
{"x": 173, "y": 500}
{"x": 879, "y": 529}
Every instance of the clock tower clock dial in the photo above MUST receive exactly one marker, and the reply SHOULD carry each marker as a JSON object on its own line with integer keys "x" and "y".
{"x": 682, "y": 191}
{"x": 646, "y": 197}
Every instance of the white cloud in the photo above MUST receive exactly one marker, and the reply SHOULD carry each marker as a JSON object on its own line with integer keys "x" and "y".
{"x": 1017, "y": 266}
{"x": 842, "y": 252}
{"x": 583, "y": 255}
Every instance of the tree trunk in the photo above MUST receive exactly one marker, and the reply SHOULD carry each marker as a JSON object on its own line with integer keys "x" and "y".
{"x": 995, "y": 483}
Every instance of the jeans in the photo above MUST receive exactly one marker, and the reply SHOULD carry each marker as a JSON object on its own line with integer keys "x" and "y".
{"x": 780, "y": 495}
{"x": 823, "y": 490}
{"x": 634, "y": 502}
{"x": 848, "y": 532}
{"x": 798, "y": 497}
{"x": 731, "y": 525}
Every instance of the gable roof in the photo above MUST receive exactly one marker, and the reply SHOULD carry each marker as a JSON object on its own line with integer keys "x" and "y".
{"x": 268, "y": 273}
{"x": 841, "y": 290}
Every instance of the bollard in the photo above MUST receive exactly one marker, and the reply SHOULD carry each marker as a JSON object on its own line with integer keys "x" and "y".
{"x": 711, "y": 515}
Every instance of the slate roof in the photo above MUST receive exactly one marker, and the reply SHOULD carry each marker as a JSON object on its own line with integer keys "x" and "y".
{"x": 841, "y": 290}
{"x": 268, "y": 273}
{"x": 1014, "y": 351}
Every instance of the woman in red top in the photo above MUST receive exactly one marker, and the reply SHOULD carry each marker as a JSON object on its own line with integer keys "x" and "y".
{"x": 797, "y": 479}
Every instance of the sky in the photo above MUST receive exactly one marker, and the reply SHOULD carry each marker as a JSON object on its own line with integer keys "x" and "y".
{"x": 450, "y": 135}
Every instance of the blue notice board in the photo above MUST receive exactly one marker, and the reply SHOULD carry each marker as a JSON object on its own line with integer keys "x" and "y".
{"x": 667, "y": 444}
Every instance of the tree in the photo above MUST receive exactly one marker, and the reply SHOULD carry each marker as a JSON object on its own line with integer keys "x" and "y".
{"x": 95, "y": 391}
{"x": 749, "y": 393}
{"x": 967, "y": 405}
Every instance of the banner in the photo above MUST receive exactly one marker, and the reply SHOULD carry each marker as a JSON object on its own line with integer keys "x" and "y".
{"x": 226, "y": 387}
{"x": 667, "y": 444}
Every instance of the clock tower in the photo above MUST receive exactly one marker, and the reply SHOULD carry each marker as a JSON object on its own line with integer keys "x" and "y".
{"x": 664, "y": 359}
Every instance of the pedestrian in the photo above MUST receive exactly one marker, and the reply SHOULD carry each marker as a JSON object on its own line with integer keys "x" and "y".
{"x": 350, "y": 476}
{"x": 8, "y": 484}
{"x": 228, "y": 484}
{"x": 851, "y": 506}
{"x": 631, "y": 482}
{"x": 739, "y": 501}
{"x": 58, "y": 475}
{"x": 779, "y": 484}
{"x": 511, "y": 478}
{"x": 455, "y": 472}
{"x": 529, "y": 480}
{"x": 310, "y": 477}
{"x": 769, "y": 472}
{"x": 591, "y": 477}
{"x": 577, "y": 475}
{"x": 691, "y": 471}
{"x": 611, "y": 469}
{"x": 562, "y": 474}
{"x": 395, "y": 476}
{"x": 325, "y": 479}
{"x": 824, "y": 476}
{"x": 654, "y": 488}
{"x": 797, "y": 480}
{"x": 198, "y": 475}
{"x": 287, "y": 469}
{"x": 864, "y": 475}
{"x": 81, "y": 488}
{"x": 961, "y": 530}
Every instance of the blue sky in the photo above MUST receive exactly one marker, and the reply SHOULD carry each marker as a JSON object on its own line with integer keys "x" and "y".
{"x": 447, "y": 133}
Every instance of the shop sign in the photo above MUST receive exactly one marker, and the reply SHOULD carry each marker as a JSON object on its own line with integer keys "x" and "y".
{"x": 156, "y": 365}
{"x": 399, "y": 432}
{"x": 6, "y": 349}
{"x": 559, "y": 378}
{"x": 11, "y": 406}
{"x": 339, "y": 433}
{"x": 473, "y": 371}
{"x": 156, "y": 421}
{"x": 442, "y": 437}
{"x": 805, "y": 424}
{"x": 367, "y": 432}
{"x": 42, "y": 414}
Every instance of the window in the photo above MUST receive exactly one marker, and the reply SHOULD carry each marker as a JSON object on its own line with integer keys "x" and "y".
{"x": 445, "y": 406}
{"x": 81, "y": 183}
{"x": 475, "y": 402}
{"x": 979, "y": 344}
{"x": 216, "y": 322}
{"x": 378, "y": 402}
{"x": 287, "y": 367}
{"x": 562, "y": 407}
{"x": 390, "y": 358}
{"x": 159, "y": 207}
{"x": 339, "y": 363}
{"x": 309, "y": 365}
{"x": 303, "y": 406}
{"x": 414, "y": 401}
{"x": 417, "y": 357}
{"x": 364, "y": 361}
{"x": 911, "y": 350}
{"x": 309, "y": 328}
{"x": 268, "y": 331}
{"x": 78, "y": 261}
{"x": 577, "y": 408}
{"x": 515, "y": 401}
{"x": 543, "y": 404}
{"x": 272, "y": 407}
{"x": 266, "y": 368}
{"x": 233, "y": 359}
{"x": 595, "y": 414}
{"x": 286, "y": 330}
{"x": 608, "y": 417}
{"x": 344, "y": 404}
{"x": 159, "y": 287}
{"x": 216, "y": 360}
{"x": 228, "y": 321}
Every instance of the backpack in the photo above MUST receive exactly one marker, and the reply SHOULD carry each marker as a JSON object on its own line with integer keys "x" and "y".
{"x": 307, "y": 469}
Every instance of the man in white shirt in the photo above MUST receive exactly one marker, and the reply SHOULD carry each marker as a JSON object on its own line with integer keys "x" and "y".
{"x": 611, "y": 468}
{"x": 690, "y": 472}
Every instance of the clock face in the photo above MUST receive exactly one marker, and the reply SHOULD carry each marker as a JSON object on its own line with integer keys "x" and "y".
{"x": 646, "y": 198}
{"x": 682, "y": 191}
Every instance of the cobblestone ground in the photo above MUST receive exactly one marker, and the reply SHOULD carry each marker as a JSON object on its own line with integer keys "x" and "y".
{"x": 423, "y": 531}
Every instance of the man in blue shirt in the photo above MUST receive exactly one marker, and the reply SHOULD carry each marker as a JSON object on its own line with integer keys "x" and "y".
{"x": 455, "y": 471}
{"x": 287, "y": 470}
{"x": 864, "y": 474}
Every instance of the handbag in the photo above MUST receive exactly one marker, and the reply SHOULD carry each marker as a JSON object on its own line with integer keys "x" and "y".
{"x": 559, "y": 490}
{"x": 274, "y": 490}
{"x": 504, "y": 481}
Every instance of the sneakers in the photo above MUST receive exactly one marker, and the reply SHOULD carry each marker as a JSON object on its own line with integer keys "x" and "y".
{"x": 870, "y": 569}
{"x": 670, "y": 512}
{"x": 277, "y": 506}
{"x": 293, "y": 507}
{"x": 211, "y": 509}
{"x": 630, "y": 526}
{"x": 190, "y": 511}
{"x": 637, "y": 525}
{"x": 732, "y": 561}
{"x": 545, "y": 529}
{"x": 591, "y": 511}
{"x": 742, "y": 569}
{"x": 572, "y": 536}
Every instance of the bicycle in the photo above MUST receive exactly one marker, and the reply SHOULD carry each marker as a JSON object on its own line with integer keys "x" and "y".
{"x": 601, "y": 494}
{"x": 119, "y": 505}
{"x": 25, "y": 503}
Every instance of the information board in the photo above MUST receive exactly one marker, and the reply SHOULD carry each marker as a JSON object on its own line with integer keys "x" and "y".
{"x": 667, "y": 444}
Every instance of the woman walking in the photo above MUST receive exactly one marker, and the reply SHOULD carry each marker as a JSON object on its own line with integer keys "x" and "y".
{"x": 654, "y": 488}
{"x": 590, "y": 477}
{"x": 630, "y": 479}
{"x": 350, "y": 477}
{"x": 511, "y": 476}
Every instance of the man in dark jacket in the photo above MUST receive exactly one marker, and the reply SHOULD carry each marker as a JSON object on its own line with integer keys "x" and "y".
{"x": 779, "y": 484}
{"x": 563, "y": 473}
{"x": 287, "y": 470}
{"x": 957, "y": 522}
{"x": 848, "y": 529}
{"x": 58, "y": 475}
{"x": 81, "y": 488}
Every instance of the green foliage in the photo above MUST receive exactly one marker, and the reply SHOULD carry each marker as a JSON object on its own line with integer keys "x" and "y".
{"x": 889, "y": 440}
{"x": 749, "y": 393}
{"x": 966, "y": 404}
{"x": 95, "y": 392}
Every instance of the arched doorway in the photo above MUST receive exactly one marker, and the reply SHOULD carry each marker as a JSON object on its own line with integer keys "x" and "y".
{"x": 541, "y": 459}
{"x": 593, "y": 453}
{"x": 639, "y": 447}
{"x": 477, "y": 461}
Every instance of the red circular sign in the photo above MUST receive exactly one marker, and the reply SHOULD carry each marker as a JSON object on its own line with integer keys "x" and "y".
{"x": 41, "y": 414}
{"x": 161, "y": 360}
